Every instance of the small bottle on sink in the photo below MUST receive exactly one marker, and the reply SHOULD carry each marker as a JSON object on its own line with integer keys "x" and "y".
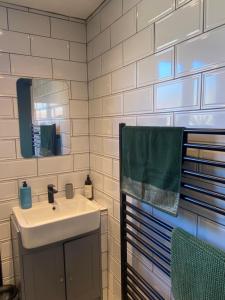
{"x": 88, "y": 188}
{"x": 25, "y": 196}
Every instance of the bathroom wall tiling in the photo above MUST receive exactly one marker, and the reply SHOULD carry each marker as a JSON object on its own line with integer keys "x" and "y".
{"x": 93, "y": 27}
{"x": 37, "y": 45}
{"x": 137, "y": 75}
{"x": 213, "y": 89}
{"x": 28, "y": 22}
{"x": 139, "y": 45}
{"x": 124, "y": 79}
{"x": 48, "y": 47}
{"x": 181, "y": 2}
{"x": 179, "y": 94}
{"x": 14, "y": 42}
{"x": 99, "y": 44}
{"x": 123, "y": 28}
{"x": 112, "y": 60}
{"x": 111, "y": 13}
{"x": 95, "y": 68}
{"x": 4, "y": 63}
{"x": 214, "y": 14}
{"x": 138, "y": 101}
{"x": 149, "y": 11}
{"x": 191, "y": 18}
{"x": 71, "y": 31}
{"x": 127, "y": 4}
{"x": 192, "y": 55}
{"x": 155, "y": 120}
{"x": 162, "y": 65}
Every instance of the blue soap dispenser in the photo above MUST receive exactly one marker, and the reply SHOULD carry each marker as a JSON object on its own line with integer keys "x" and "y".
{"x": 25, "y": 196}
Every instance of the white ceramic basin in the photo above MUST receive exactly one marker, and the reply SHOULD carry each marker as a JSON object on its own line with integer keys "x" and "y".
{"x": 42, "y": 225}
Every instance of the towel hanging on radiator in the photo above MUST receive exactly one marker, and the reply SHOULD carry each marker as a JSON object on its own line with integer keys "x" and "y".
{"x": 197, "y": 268}
{"x": 152, "y": 161}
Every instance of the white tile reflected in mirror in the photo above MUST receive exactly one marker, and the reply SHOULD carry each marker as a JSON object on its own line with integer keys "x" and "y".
{"x": 43, "y": 107}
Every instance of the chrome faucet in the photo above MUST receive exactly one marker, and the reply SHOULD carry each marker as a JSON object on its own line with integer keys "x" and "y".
{"x": 51, "y": 192}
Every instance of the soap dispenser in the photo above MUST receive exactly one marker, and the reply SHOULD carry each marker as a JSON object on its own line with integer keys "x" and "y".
{"x": 88, "y": 188}
{"x": 25, "y": 196}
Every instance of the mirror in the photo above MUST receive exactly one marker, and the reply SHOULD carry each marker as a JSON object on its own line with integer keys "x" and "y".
{"x": 43, "y": 107}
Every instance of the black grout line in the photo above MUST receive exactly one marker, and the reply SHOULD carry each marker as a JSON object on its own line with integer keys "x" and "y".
{"x": 7, "y": 18}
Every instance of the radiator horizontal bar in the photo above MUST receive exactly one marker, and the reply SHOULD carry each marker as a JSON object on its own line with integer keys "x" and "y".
{"x": 141, "y": 287}
{"x": 203, "y": 191}
{"x": 205, "y": 147}
{"x": 129, "y": 294}
{"x": 134, "y": 291}
{"x": 149, "y": 257}
{"x": 208, "y": 162}
{"x": 145, "y": 234}
{"x": 153, "y": 229}
{"x": 203, "y": 204}
{"x": 204, "y": 176}
{"x": 150, "y": 217}
{"x": 147, "y": 246}
{"x": 145, "y": 283}
{"x": 204, "y": 131}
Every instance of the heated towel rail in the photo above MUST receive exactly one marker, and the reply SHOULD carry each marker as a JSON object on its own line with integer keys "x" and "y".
{"x": 149, "y": 235}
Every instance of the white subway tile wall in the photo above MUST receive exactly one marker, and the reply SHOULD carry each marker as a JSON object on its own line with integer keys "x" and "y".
{"x": 190, "y": 19}
{"x": 161, "y": 65}
{"x": 152, "y": 63}
{"x": 139, "y": 45}
{"x": 111, "y": 13}
{"x": 112, "y": 59}
{"x": 123, "y": 28}
{"x": 4, "y": 63}
{"x": 28, "y": 22}
{"x": 3, "y": 18}
{"x": 66, "y": 30}
{"x": 30, "y": 66}
{"x": 51, "y": 48}
{"x": 192, "y": 57}
{"x": 93, "y": 27}
{"x": 35, "y": 45}
{"x": 180, "y": 94}
{"x": 78, "y": 52}
{"x": 149, "y": 11}
{"x": 214, "y": 14}
{"x": 136, "y": 74}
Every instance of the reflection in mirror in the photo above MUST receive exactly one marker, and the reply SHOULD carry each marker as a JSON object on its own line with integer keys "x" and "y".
{"x": 43, "y": 107}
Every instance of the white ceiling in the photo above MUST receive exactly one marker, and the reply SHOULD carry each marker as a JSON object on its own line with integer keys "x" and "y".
{"x": 73, "y": 8}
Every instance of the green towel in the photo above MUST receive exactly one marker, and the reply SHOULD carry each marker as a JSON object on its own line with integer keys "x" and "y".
{"x": 152, "y": 161}
{"x": 48, "y": 140}
{"x": 197, "y": 268}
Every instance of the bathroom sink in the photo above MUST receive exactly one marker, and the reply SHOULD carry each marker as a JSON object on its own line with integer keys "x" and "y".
{"x": 46, "y": 223}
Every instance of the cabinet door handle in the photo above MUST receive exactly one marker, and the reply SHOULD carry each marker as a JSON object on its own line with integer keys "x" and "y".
{"x": 70, "y": 278}
{"x": 61, "y": 279}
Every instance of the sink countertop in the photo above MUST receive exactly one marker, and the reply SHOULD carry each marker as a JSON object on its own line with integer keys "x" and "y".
{"x": 64, "y": 219}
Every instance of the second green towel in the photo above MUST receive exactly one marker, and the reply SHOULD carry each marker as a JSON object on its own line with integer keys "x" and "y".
{"x": 197, "y": 268}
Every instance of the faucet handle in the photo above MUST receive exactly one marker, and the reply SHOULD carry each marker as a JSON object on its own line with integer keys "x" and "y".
{"x": 51, "y": 187}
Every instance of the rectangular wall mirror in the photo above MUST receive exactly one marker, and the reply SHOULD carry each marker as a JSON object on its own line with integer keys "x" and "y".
{"x": 43, "y": 107}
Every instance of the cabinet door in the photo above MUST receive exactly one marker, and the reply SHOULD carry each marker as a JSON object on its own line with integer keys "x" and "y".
{"x": 83, "y": 272}
{"x": 44, "y": 274}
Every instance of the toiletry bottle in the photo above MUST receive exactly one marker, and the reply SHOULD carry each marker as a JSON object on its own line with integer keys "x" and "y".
{"x": 88, "y": 188}
{"x": 25, "y": 196}
{"x": 69, "y": 191}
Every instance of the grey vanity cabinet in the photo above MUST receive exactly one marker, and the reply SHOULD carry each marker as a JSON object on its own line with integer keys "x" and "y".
{"x": 82, "y": 278}
{"x": 67, "y": 270}
{"x": 44, "y": 274}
